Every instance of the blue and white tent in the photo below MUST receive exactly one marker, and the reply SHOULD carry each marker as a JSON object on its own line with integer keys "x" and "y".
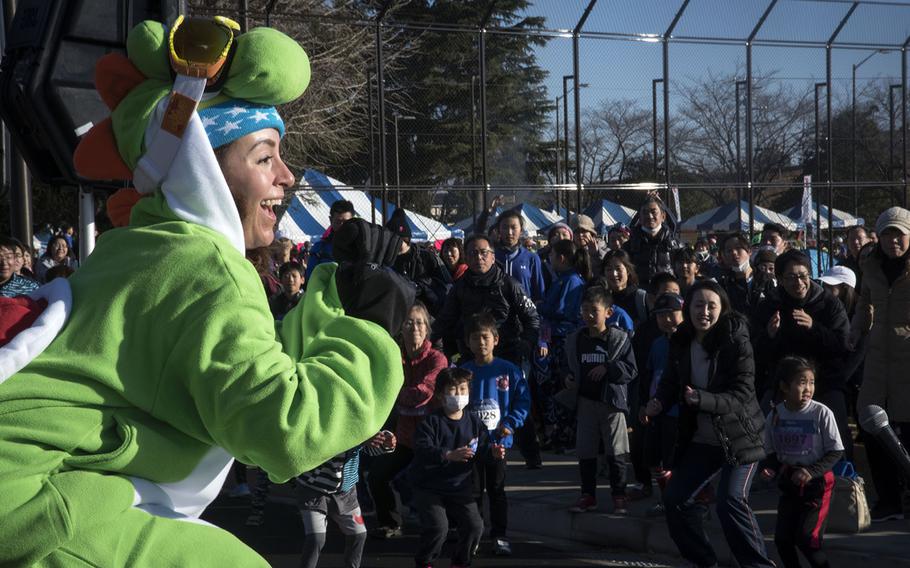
{"x": 307, "y": 216}
{"x": 606, "y": 213}
{"x": 842, "y": 219}
{"x": 727, "y": 218}
{"x": 534, "y": 218}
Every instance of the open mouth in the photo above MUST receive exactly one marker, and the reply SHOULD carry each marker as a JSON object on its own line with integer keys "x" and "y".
{"x": 267, "y": 206}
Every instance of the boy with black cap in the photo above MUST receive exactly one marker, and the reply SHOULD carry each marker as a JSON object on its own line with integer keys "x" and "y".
{"x": 421, "y": 266}
{"x": 321, "y": 252}
{"x": 660, "y": 436}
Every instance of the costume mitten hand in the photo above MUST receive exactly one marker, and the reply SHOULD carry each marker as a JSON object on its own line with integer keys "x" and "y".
{"x": 364, "y": 243}
{"x": 367, "y": 287}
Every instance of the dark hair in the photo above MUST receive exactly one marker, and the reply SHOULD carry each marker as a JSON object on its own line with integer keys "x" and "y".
{"x": 857, "y": 228}
{"x": 848, "y": 297}
{"x": 577, "y": 256}
{"x": 341, "y": 206}
{"x": 776, "y": 228}
{"x": 289, "y": 266}
{"x": 791, "y": 256}
{"x": 624, "y": 258}
{"x": 10, "y": 243}
{"x": 597, "y": 295}
{"x": 712, "y": 339}
{"x": 47, "y": 251}
{"x": 685, "y": 254}
{"x": 455, "y": 243}
{"x": 510, "y": 213}
{"x": 451, "y": 377}
{"x": 652, "y": 198}
{"x": 659, "y": 280}
{"x": 739, "y": 237}
{"x": 481, "y": 321}
{"x": 476, "y": 237}
{"x": 790, "y": 366}
{"x": 261, "y": 259}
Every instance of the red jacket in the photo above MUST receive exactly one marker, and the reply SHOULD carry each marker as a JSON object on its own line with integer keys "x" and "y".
{"x": 415, "y": 400}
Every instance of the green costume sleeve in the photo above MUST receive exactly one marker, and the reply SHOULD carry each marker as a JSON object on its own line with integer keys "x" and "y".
{"x": 288, "y": 410}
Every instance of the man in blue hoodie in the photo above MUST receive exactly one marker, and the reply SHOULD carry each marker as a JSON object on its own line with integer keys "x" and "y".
{"x": 517, "y": 261}
{"x": 500, "y": 397}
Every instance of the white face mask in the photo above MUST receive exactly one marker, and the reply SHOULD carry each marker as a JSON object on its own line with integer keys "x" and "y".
{"x": 702, "y": 255}
{"x": 741, "y": 268}
{"x": 651, "y": 230}
{"x": 454, "y": 403}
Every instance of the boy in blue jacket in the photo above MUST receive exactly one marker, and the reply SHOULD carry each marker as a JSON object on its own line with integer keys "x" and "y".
{"x": 517, "y": 261}
{"x": 501, "y": 399}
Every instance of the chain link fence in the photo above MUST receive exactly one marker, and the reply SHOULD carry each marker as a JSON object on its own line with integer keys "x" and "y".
{"x": 724, "y": 99}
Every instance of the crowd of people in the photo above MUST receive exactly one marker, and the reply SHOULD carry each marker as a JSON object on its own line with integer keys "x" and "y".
{"x": 669, "y": 363}
{"x": 22, "y": 271}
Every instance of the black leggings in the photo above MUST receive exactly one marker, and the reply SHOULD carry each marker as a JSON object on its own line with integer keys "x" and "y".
{"x": 382, "y": 471}
{"x": 801, "y": 523}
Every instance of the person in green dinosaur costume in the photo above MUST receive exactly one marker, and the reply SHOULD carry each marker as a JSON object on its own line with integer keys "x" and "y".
{"x": 123, "y": 406}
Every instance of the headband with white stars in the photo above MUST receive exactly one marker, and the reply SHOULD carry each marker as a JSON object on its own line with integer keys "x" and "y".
{"x": 233, "y": 119}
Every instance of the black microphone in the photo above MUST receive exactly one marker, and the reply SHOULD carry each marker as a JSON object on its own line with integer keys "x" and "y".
{"x": 874, "y": 420}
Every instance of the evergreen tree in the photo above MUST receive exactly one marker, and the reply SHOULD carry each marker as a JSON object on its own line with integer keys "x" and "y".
{"x": 438, "y": 82}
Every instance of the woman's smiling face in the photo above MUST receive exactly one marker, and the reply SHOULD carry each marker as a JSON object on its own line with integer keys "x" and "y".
{"x": 704, "y": 310}
{"x": 257, "y": 178}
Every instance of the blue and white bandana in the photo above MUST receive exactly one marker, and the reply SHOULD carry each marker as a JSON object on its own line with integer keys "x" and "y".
{"x": 233, "y": 119}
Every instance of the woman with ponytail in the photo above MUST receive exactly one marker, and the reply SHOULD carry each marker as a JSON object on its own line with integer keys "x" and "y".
{"x": 560, "y": 313}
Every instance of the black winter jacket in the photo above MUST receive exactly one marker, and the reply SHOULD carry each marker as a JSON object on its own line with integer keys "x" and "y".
{"x": 651, "y": 254}
{"x": 826, "y": 343}
{"x": 729, "y": 396}
{"x": 502, "y": 296}
{"x": 745, "y": 296}
{"x": 431, "y": 278}
{"x": 621, "y": 368}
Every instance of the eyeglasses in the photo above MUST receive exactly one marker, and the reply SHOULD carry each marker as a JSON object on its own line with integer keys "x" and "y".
{"x": 481, "y": 253}
{"x": 414, "y": 323}
{"x": 9, "y": 256}
{"x": 804, "y": 276}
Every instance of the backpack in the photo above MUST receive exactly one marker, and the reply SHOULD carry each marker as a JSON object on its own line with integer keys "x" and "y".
{"x": 849, "y": 511}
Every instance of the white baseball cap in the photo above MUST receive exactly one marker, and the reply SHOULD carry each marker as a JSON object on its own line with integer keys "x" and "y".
{"x": 839, "y": 275}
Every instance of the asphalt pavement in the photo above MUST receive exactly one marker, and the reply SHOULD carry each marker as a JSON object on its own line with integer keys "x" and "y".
{"x": 279, "y": 541}
{"x": 544, "y": 533}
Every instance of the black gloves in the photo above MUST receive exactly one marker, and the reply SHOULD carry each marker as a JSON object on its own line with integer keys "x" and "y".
{"x": 368, "y": 288}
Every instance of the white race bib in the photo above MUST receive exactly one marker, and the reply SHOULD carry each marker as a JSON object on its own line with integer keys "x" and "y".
{"x": 488, "y": 412}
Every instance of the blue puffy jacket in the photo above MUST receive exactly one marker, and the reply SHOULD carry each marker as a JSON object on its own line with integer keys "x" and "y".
{"x": 524, "y": 266}
{"x": 561, "y": 307}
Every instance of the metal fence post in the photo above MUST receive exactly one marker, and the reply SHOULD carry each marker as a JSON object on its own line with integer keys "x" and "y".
{"x": 749, "y": 169}
{"x": 654, "y": 83}
{"x": 818, "y": 175}
{"x": 739, "y": 162}
{"x": 666, "y": 85}
{"x": 380, "y": 86}
{"x": 576, "y": 82}
{"x": 904, "y": 117}
{"x": 830, "y": 129}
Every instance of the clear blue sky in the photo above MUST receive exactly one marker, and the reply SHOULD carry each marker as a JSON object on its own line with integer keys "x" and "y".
{"x": 624, "y": 69}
